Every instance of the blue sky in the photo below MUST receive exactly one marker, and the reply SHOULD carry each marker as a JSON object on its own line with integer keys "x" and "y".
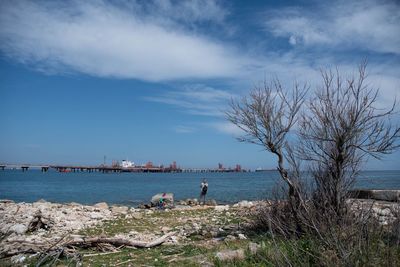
{"x": 149, "y": 80}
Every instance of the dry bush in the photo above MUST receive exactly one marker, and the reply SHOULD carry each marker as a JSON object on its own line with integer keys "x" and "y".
{"x": 339, "y": 126}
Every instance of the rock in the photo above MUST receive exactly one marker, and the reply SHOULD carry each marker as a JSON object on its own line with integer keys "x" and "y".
{"x": 192, "y": 202}
{"x": 19, "y": 229}
{"x": 385, "y": 212}
{"x": 167, "y": 197}
{"x": 229, "y": 255}
{"x": 119, "y": 209}
{"x": 196, "y": 226}
{"x": 242, "y": 236}
{"x": 6, "y": 201}
{"x": 214, "y": 233}
{"x": 174, "y": 239}
{"x": 182, "y": 202}
{"x": 230, "y": 238}
{"x": 165, "y": 229}
{"x": 244, "y": 204}
{"x": 221, "y": 208}
{"x": 101, "y": 206}
{"x": 20, "y": 258}
{"x": 253, "y": 248}
{"x": 385, "y": 195}
{"x": 41, "y": 204}
{"x": 96, "y": 215}
{"x": 137, "y": 215}
{"x": 144, "y": 206}
{"x": 211, "y": 202}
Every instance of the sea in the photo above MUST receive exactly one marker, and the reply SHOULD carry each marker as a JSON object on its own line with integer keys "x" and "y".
{"x": 133, "y": 189}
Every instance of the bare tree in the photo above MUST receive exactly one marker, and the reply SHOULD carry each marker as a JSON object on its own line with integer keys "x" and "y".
{"x": 338, "y": 128}
{"x": 266, "y": 118}
{"x": 341, "y": 126}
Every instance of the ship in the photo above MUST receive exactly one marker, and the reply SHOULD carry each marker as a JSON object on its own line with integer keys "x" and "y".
{"x": 126, "y": 164}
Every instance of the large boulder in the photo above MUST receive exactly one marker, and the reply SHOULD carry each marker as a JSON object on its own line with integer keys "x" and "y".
{"x": 168, "y": 198}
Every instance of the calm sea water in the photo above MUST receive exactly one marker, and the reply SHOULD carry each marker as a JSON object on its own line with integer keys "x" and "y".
{"x": 136, "y": 188}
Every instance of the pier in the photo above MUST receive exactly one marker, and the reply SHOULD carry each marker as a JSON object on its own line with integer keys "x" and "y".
{"x": 148, "y": 168}
{"x": 25, "y": 167}
{"x": 81, "y": 168}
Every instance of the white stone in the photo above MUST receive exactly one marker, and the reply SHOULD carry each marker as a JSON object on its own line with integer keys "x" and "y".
{"x": 101, "y": 205}
{"x": 96, "y": 215}
{"x": 244, "y": 204}
{"x": 229, "y": 255}
{"x": 18, "y": 258}
{"x": 137, "y": 215}
{"x": 19, "y": 229}
{"x": 221, "y": 208}
{"x": 119, "y": 209}
{"x": 253, "y": 247}
{"x": 242, "y": 236}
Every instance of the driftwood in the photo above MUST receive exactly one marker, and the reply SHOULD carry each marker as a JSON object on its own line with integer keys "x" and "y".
{"x": 25, "y": 247}
{"x": 92, "y": 241}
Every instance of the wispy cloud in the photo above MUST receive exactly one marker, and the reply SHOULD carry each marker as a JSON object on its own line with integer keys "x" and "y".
{"x": 371, "y": 25}
{"x": 182, "y": 129}
{"x": 141, "y": 39}
{"x": 196, "y": 99}
{"x": 226, "y": 128}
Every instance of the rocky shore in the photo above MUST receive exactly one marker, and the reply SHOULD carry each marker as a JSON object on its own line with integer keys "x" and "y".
{"x": 44, "y": 222}
{"x": 23, "y": 225}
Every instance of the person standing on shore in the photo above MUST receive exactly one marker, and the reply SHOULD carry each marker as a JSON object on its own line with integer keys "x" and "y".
{"x": 203, "y": 192}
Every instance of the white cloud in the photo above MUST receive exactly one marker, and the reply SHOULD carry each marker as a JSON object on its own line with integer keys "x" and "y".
{"x": 372, "y": 25}
{"x": 110, "y": 40}
{"x": 196, "y": 99}
{"x": 187, "y": 11}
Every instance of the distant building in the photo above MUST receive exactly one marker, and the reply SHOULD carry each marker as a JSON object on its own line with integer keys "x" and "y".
{"x": 127, "y": 164}
{"x": 173, "y": 166}
{"x": 238, "y": 168}
{"x": 149, "y": 164}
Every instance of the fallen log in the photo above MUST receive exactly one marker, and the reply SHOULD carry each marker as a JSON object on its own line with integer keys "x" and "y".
{"x": 92, "y": 241}
{"x": 82, "y": 242}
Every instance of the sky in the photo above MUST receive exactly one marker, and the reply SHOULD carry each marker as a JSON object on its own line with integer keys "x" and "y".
{"x": 151, "y": 80}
